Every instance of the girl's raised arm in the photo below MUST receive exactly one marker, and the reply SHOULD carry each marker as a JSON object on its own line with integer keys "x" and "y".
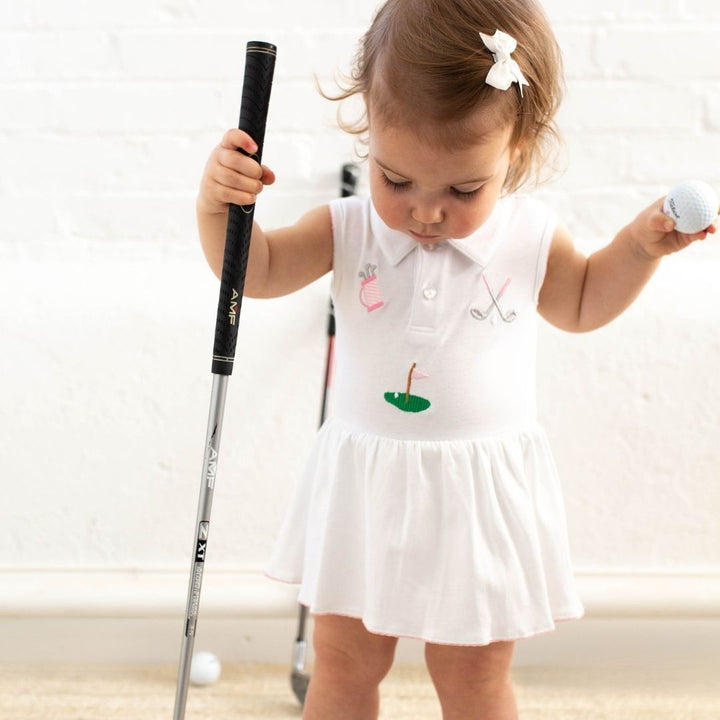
{"x": 581, "y": 294}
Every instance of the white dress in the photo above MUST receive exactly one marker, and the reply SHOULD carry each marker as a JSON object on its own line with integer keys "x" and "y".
{"x": 430, "y": 506}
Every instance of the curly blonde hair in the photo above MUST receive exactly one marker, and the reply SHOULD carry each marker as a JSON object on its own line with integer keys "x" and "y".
{"x": 423, "y": 64}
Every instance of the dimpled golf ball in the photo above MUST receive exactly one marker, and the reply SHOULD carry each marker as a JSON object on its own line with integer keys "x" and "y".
{"x": 204, "y": 668}
{"x": 693, "y": 205}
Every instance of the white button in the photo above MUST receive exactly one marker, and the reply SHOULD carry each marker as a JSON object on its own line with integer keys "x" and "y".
{"x": 430, "y": 292}
{"x": 429, "y": 248}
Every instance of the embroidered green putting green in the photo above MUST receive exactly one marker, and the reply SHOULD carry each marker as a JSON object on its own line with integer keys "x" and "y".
{"x": 404, "y": 400}
{"x": 413, "y": 403}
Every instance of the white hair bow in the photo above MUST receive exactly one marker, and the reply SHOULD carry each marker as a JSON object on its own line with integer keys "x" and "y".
{"x": 505, "y": 71}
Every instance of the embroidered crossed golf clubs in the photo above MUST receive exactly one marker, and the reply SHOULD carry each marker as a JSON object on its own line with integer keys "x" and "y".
{"x": 494, "y": 304}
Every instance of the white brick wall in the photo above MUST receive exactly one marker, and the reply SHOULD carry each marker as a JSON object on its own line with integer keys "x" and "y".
{"x": 118, "y": 106}
{"x": 107, "y": 114}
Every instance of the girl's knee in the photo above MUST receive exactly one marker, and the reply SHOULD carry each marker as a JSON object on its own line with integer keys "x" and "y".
{"x": 455, "y": 668}
{"x": 345, "y": 647}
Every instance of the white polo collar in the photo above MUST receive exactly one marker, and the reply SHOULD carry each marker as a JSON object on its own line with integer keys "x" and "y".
{"x": 478, "y": 247}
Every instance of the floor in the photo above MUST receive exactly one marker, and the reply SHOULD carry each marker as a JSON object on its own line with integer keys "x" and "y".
{"x": 250, "y": 692}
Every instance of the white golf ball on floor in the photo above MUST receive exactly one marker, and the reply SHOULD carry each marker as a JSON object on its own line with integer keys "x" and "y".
{"x": 204, "y": 668}
{"x": 693, "y": 205}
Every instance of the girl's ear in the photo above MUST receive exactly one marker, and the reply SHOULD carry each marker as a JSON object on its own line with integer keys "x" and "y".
{"x": 515, "y": 156}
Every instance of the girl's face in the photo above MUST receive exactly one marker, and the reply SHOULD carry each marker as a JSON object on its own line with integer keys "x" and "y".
{"x": 431, "y": 193}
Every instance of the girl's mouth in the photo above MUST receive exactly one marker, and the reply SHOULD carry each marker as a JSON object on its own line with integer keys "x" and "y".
{"x": 425, "y": 238}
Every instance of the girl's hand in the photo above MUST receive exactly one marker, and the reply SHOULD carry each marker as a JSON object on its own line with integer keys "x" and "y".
{"x": 655, "y": 235}
{"x": 232, "y": 177}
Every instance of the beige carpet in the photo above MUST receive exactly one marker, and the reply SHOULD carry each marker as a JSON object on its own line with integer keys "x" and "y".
{"x": 247, "y": 692}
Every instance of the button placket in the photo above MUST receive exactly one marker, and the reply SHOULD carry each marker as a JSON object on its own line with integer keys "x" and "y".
{"x": 428, "y": 288}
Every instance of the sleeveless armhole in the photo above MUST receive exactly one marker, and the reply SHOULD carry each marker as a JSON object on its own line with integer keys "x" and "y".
{"x": 544, "y": 252}
{"x": 337, "y": 219}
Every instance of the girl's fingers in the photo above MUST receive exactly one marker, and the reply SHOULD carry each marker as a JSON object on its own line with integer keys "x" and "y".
{"x": 232, "y": 176}
{"x": 268, "y": 176}
{"x": 237, "y": 181}
{"x": 237, "y": 162}
{"x": 235, "y": 138}
{"x": 231, "y": 192}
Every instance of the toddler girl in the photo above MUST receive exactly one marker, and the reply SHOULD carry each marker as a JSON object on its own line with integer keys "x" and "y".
{"x": 430, "y": 507}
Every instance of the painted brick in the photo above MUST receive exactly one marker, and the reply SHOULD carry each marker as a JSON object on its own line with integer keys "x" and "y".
{"x": 131, "y": 108}
{"x": 673, "y": 157}
{"x": 43, "y": 14}
{"x": 683, "y": 54}
{"x": 219, "y": 55}
{"x": 43, "y": 55}
{"x": 612, "y": 11}
{"x": 630, "y": 106}
{"x": 703, "y": 10}
{"x": 61, "y": 164}
{"x": 712, "y": 104}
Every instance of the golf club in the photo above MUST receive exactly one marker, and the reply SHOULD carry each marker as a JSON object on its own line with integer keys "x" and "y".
{"x": 299, "y": 678}
{"x": 259, "y": 69}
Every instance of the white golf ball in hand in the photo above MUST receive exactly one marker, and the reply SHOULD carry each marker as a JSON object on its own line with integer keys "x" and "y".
{"x": 204, "y": 668}
{"x": 693, "y": 205}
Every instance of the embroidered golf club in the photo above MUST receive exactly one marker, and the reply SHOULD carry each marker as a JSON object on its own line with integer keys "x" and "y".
{"x": 494, "y": 304}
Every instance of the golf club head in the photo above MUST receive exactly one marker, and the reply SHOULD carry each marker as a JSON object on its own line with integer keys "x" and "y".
{"x": 299, "y": 682}
{"x": 299, "y": 679}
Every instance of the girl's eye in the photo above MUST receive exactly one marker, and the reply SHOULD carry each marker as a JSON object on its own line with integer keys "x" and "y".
{"x": 395, "y": 186}
{"x": 405, "y": 184}
{"x": 465, "y": 195}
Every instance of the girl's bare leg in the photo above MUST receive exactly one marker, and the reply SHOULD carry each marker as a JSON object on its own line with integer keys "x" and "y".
{"x": 473, "y": 683}
{"x": 350, "y": 663}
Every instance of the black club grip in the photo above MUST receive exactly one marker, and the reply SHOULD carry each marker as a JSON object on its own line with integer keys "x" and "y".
{"x": 257, "y": 83}
{"x": 350, "y": 176}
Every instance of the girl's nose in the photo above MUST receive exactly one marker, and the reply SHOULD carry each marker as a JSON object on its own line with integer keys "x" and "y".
{"x": 427, "y": 213}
